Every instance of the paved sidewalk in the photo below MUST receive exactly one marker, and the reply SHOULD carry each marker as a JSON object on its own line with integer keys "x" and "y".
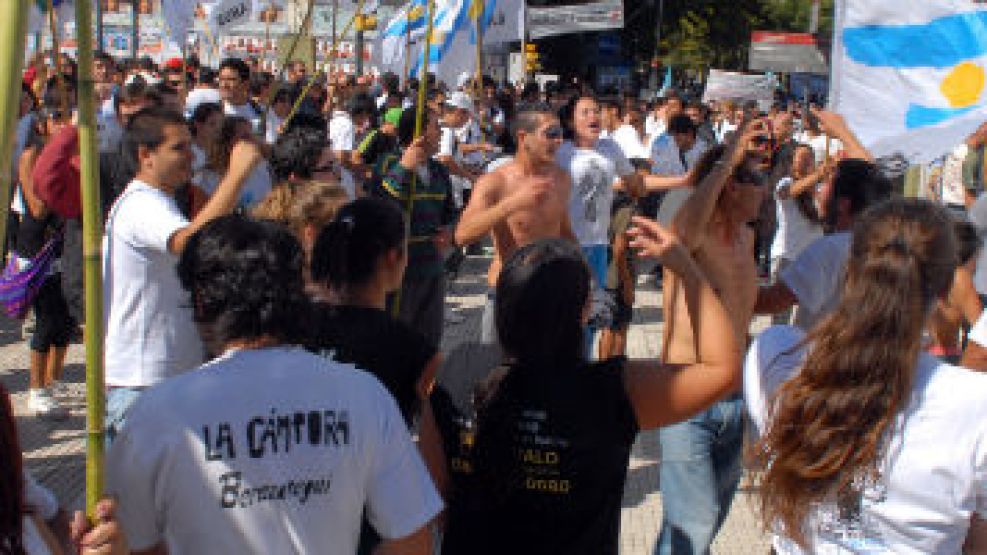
{"x": 54, "y": 452}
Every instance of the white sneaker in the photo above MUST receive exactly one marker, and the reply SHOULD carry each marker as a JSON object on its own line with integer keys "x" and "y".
{"x": 43, "y": 405}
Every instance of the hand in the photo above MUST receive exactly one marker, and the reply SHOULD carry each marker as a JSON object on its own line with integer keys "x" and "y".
{"x": 415, "y": 155}
{"x": 831, "y": 123}
{"x": 105, "y": 537}
{"x": 650, "y": 239}
{"x": 243, "y": 158}
{"x": 750, "y": 140}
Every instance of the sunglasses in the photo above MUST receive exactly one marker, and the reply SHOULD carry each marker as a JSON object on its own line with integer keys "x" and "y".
{"x": 553, "y": 133}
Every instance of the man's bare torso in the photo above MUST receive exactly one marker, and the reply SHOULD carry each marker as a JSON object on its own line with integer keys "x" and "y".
{"x": 526, "y": 226}
{"x": 730, "y": 267}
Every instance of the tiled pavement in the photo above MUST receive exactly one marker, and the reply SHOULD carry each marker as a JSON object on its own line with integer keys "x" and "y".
{"x": 54, "y": 452}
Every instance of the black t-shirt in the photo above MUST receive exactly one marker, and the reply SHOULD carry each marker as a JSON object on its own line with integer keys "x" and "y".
{"x": 373, "y": 341}
{"x": 547, "y": 466}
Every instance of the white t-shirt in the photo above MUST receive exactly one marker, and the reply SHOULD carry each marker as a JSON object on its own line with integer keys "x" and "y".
{"x": 594, "y": 171}
{"x": 934, "y": 472}
{"x": 816, "y": 277}
{"x": 273, "y": 122}
{"x": 630, "y": 142}
{"x": 258, "y": 184}
{"x": 654, "y": 126}
{"x": 795, "y": 232}
{"x": 818, "y": 144}
{"x": 342, "y": 133}
{"x": 150, "y": 335}
{"x": 267, "y": 451}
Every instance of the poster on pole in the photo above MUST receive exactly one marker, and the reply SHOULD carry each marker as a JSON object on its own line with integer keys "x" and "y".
{"x": 909, "y": 76}
{"x": 601, "y": 15}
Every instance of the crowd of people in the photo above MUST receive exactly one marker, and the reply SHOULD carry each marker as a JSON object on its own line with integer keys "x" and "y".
{"x": 276, "y": 256}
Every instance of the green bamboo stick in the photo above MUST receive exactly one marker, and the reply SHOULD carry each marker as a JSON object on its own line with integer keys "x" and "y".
{"x": 92, "y": 223}
{"x": 13, "y": 32}
{"x": 419, "y": 124}
{"x": 311, "y": 82}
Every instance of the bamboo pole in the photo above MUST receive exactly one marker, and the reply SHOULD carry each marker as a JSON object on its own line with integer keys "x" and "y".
{"x": 407, "y": 46}
{"x": 419, "y": 124}
{"x": 308, "y": 86}
{"x": 269, "y": 98}
{"x": 13, "y": 33}
{"x": 479, "y": 7}
{"x": 92, "y": 223}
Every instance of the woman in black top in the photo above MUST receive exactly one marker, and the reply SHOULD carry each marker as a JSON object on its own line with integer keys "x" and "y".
{"x": 554, "y": 432}
{"x": 53, "y": 324}
{"x": 358, "y": 259}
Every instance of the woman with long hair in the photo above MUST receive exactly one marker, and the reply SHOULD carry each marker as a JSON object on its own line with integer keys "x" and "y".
{"x": 545, "y": 470}
{"x": 867, "y": 443}
{"x": 358, "y": 260}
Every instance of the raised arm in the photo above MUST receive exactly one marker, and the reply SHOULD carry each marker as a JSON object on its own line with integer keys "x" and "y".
{"x": 692, "y": 219}
{"x": 799, "y": 186}
{"x": 836, "y": 127}
{"x": 664, "y": 182}
{"x": 662, "y": 393}
{"x": 244, "y": 158}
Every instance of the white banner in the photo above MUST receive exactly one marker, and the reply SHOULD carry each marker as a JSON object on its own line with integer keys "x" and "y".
{"x": 908, "y": 75}
{"x": 575, "y": 18}
{"x": 727, "y": 85}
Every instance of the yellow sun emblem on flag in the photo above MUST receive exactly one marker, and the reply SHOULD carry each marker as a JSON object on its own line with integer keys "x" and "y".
{"x": 964, "y": 85}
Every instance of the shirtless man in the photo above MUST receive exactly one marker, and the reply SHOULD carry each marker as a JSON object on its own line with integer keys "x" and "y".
{"x": 522, "y": 201}
{"x": 700, "y": 463}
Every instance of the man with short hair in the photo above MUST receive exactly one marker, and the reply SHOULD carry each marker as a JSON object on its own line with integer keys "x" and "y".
{"x": 814, "y": 280}
{"x": 234, "y": 88}
{"x": 150, "y": 335}
{"x": 522, "y": 201}
{"x": 269, "y": 448}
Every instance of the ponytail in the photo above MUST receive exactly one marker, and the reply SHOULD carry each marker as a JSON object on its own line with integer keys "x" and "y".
{"x": 348, "y": 248}
{"x": 830, "y": 423}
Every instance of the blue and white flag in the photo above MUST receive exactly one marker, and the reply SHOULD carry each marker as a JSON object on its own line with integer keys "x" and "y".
{"x": 908, "y": 75}
{"x": 407, "y": 25}
{"x": 453, "y": 45}
{"x": 453, "y": 50}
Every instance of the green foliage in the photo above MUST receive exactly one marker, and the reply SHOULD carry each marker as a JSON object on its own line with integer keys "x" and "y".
{"x": 702, "y": 34}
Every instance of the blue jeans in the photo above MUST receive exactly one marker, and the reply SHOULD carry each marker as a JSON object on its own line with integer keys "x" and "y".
{"x": 700, "y": 469}
{"x": 598, "y": 259}
{"x": 118, "y": 403}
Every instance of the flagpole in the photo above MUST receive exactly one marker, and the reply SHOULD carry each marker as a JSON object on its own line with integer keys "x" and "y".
{"x": 13, "y": 34}
{"x": 407, "y": 45}
{"x": 478, "y": 16}
{"x": 419, "y": 125}
{"x": 91, "y": 249}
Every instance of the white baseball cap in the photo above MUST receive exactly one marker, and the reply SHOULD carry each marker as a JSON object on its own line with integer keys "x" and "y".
{"x": 460, "y": 100}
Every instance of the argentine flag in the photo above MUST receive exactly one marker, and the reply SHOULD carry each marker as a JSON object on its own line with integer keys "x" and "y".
{"x": 909, "y": 76}
{"x": 453, "y": 45}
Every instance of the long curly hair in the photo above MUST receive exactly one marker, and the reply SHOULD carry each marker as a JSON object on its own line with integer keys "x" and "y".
{"x": 11, "y": 482}
{"x": 829, "y": 424}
